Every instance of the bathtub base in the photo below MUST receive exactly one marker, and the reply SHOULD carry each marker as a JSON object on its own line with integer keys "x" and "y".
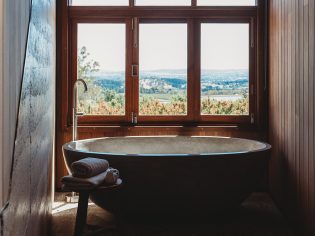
{"x": 157, "y": 209}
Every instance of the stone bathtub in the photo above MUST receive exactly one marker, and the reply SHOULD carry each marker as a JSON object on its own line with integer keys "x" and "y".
{"x": 176, "y": 176}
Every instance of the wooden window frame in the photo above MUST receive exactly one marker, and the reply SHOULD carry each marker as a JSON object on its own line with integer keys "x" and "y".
{"x": 128, "y": 79}
{"x": 252, "y": 71}
{"x": 193, "y": 16}
{"x": 166, "y": 118}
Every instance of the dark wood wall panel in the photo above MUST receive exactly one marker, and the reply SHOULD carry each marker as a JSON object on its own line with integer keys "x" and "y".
{"x": 291, "y": 109}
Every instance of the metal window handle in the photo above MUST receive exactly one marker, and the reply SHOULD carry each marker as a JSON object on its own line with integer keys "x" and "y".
{"x": 79, "y": 113}
{"x": 252, "y": 32}
{"x": 134, "y": 70}
{"x": 252, "y": 118}
{"x": 134, "y": 119}
{"x": 135, "y": 32}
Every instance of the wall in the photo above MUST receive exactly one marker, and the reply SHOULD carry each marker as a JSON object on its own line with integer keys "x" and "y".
{"x": 1, "y": 104}
{"x": 30, "y": 196}
{"x": 291, "y": 116}
{"x": 15, "y": 16}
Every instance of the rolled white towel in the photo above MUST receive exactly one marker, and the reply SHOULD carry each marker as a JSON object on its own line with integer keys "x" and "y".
{"x": 112, "y": 176}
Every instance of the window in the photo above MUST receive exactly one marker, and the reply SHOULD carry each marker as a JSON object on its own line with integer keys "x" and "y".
{"x": 224, "y": 69}
{"x": 172, "y": 64}
{"x": 163, "y": 69}
{"x": 101, "y": 60}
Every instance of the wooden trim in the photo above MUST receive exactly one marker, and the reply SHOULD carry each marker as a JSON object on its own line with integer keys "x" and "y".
{"x": 73, "y": 66}
{"x": 63, "y": 65}
{"x": 190, "y": 69}
{"x": 2, "y": 177}
{"x": 226, "y": 119}
{"x": 129, "y": 63}
{"x": 135, "y": 61}
{"x": 160, "y": 12}
{"x": 197, "y": 66}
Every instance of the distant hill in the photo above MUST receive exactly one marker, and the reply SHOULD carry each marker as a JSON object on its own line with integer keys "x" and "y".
{"x": 172, "y": 81}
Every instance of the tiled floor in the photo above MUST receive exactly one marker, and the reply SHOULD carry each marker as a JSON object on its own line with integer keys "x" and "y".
{"x": 258, "y": 217}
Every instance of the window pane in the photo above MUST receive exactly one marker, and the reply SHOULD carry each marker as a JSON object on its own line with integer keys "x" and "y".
{"x": 163, "y": 69}
{"x": 100, "y": 2}
{"x": 224, "y": 69}
{"x": 101, "y": 63}
{"x": 163, "y": 2}
{"x": 226, "y": 2}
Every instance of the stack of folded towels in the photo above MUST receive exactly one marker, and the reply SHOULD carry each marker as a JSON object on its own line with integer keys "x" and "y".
{"x": 89, "y": 173}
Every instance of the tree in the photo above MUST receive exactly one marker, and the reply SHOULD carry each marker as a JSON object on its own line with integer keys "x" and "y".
{"x": 98, "y": 100}
{"x": 86, "y": 66}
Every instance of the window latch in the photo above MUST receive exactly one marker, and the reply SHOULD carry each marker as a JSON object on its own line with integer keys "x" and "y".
{"x": 134, "y": 70}
{"x": 252, "y": 36}
{"x": 134, "y": 119}
{"x": 134, "y": 26}
{"x": 252, "y": 118}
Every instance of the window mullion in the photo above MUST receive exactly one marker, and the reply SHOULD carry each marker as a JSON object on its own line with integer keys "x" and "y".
{"x": 197, "y": 70}
{"x": 191, "y": 69}
{"x": 128, "y": 70}
{"x": 252, "y": 71}
{"x": 135, "y": 62}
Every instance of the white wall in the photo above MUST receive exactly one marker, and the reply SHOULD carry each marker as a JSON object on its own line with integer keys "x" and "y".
{"x": 14, "y": 20}
{"x": 1, "y": 104}
{"x": 29, "y": 207}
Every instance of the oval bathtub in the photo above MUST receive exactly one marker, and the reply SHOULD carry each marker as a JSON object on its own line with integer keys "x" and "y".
{"x": 176, "y": 176}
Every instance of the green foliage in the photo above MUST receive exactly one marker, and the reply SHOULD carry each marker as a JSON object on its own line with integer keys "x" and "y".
{"x": 86, "y": 66}
{"x": 210, "y": 106}
{"x": 151, "y": 106}
{"x": 97, "y": 101}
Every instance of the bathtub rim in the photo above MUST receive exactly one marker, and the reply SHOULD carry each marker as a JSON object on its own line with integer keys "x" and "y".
{"x": 67, "y": 146}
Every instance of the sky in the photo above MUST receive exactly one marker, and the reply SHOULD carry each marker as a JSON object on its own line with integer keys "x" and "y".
{"x": 164, "y": 2}
{"x": 106, "y": 44}
{"x": 164, "y": 46}
{"x": 224, "y": 46}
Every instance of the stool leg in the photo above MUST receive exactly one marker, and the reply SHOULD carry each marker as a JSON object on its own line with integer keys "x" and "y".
{"x": 80, "y": 222}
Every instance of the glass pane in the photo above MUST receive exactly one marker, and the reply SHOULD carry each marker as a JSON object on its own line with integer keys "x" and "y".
{"x": 163, "y": 69}
{"x": 101, "y": 63}
{"x": 100, "y": 2}
{"x": 226, "y": 2}
{"x": 163, "y": 2}
{"x": 224, "y": 69}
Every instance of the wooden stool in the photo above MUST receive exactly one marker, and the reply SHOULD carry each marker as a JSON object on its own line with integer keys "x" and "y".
{"x": 81, "y": 216}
